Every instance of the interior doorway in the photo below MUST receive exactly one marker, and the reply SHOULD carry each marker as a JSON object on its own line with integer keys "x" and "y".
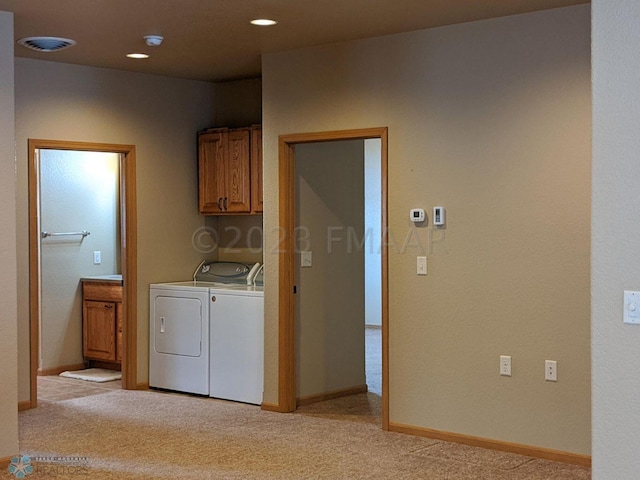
{"x": 80, "y": 238}
{"x": 125, "y": 163}
{"x": 288, "y": 362}
{"x": 338, "y": 270}
{"x": 372, "y": 245}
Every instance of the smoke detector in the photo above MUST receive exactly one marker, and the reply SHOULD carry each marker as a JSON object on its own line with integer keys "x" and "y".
{"x": 46, "y": 44}
{"x": 153, "y": 40}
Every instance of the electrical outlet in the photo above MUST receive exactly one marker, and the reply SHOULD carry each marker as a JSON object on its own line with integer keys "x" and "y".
{"x": 551, "y": 370}
{"x": 505, "y": 365}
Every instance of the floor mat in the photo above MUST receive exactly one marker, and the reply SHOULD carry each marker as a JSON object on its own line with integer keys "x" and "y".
{"x": 94, "y": 375}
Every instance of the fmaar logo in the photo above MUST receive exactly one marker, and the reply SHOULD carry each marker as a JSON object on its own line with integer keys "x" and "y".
{"x": 20, "y": 466}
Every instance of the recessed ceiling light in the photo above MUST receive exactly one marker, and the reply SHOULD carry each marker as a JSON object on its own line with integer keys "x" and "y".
{"x": 137, "y": 55}
{"x": 263, "y": 22}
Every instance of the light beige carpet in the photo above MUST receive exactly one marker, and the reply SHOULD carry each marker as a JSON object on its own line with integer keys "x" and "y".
{"x": 150, "y": 435}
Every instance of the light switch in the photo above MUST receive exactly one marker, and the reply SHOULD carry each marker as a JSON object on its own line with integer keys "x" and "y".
{"x": 422, "y": 266}
{"x": 631, "y": 313}
{"x": 97, "y": 257}
{"x": 438, "y": 216}
{"x": 305, "y": 259}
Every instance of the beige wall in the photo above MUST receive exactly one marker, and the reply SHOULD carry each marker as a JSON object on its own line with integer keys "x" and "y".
{"x": 8, "y": 294}
{"x": 238, "y": 103}
{"x": 160, "y": 116}
{"x": 615, "y": 238}
{"x": 329, "y": 329}
{"x": 491, "y": 120}
{"x": 240, "y": 237}
{"x": 78, "y": 191}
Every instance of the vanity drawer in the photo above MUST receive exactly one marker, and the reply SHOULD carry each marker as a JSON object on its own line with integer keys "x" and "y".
{"x": 102, "y": 291}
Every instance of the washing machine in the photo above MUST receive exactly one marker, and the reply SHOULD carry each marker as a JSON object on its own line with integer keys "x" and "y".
{"x": 237, "y": 344}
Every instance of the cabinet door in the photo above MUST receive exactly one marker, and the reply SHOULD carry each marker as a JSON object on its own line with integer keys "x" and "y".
{"x": 256, "y": 169}
{"x": 212, "y": 155}
{"x": 238, "y": 195}
{"x": 99, "y": 330}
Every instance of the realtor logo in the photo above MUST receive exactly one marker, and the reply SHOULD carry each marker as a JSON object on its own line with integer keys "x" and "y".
{"x": 20, "y": 466}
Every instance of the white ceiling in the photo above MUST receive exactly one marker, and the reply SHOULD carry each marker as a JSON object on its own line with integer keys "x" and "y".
{"x": 212, "y": 39}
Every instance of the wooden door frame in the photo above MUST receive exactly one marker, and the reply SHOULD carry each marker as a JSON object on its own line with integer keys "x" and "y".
{"x": 128, "y": 253}
{"x": 286, "y": 257}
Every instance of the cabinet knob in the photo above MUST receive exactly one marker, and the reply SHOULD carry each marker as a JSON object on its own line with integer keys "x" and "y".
{"x": 213, "y": 298}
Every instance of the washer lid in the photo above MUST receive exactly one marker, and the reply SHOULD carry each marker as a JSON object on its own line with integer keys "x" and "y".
{"x": 223, "y": 272}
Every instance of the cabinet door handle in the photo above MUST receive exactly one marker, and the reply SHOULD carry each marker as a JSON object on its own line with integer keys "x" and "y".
{"x": 220, "y": 203}
{"x": 213, "y": 298}
{"x": 225, "y": 203}
{"x": 108, "y": 307}
{"x": 161, "y": 324}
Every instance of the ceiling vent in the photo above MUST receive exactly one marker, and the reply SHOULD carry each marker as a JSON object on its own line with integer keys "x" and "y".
{"x": 46, "y": 44}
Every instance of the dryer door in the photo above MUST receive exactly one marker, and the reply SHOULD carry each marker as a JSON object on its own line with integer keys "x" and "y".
{"x": 178, "y": 325}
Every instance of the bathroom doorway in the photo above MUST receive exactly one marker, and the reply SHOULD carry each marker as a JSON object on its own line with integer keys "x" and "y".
{"x": 105, "y": 177}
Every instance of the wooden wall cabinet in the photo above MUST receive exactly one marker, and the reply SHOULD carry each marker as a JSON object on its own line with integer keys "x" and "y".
{"x": 102, "y": 315}
{"x": 227, "y": 171}
{"x": 256, "y": 169}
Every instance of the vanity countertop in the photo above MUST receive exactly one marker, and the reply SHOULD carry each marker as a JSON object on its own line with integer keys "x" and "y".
{"x": 104, "y": 279}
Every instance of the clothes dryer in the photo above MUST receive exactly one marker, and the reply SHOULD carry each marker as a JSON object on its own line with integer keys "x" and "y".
{"x": 179, "y": 338}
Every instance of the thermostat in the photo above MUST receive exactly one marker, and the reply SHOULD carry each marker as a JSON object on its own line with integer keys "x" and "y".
{"x": 438, "y": 215}
{"x": 417, "y": 215}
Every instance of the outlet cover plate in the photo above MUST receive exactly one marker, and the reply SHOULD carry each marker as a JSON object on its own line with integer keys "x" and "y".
{"x": 551, "y": 370}
{"x": 505, "y": 365}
